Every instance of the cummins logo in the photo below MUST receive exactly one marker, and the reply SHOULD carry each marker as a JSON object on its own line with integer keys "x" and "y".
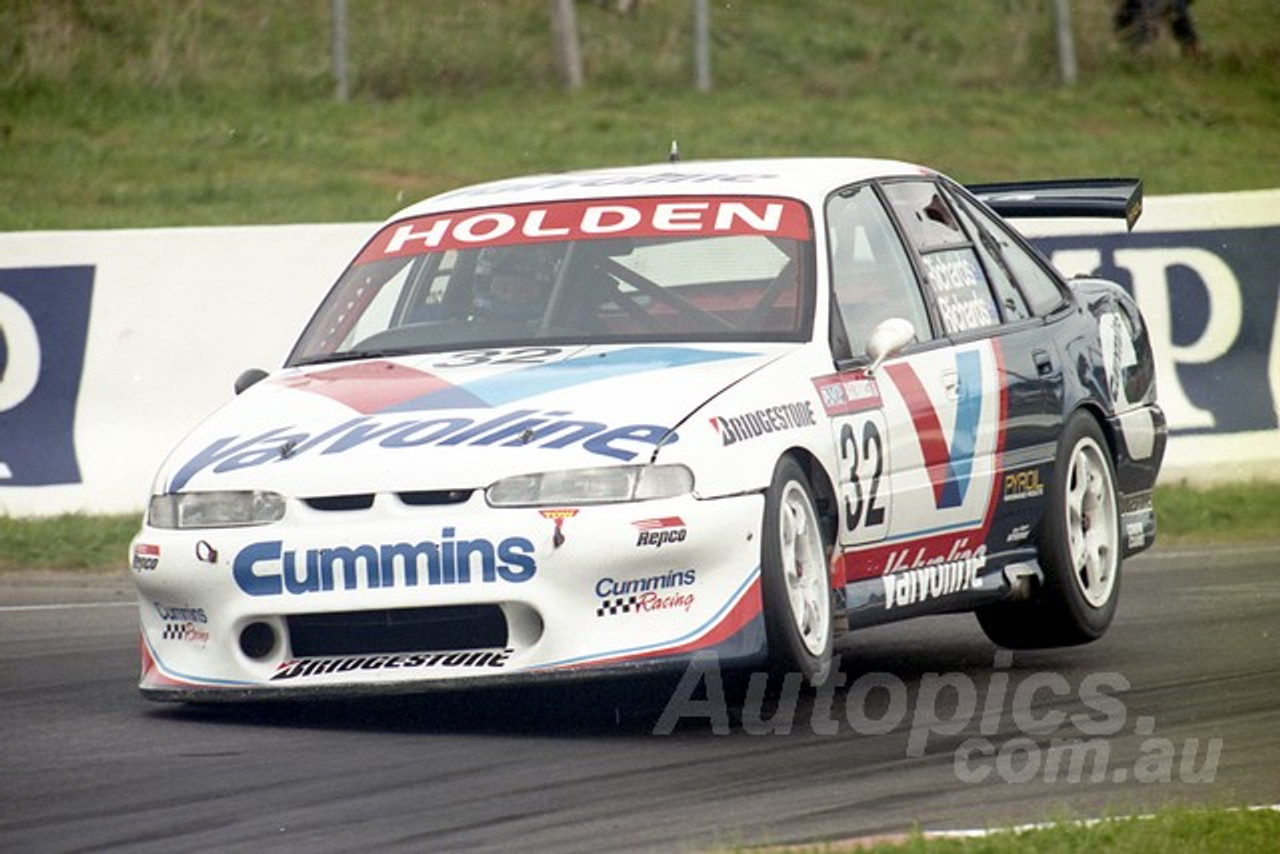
{"x": 269, "y": 569}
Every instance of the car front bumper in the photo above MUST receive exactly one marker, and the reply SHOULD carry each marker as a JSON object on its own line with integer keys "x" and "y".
{"x": 401, "y": 598}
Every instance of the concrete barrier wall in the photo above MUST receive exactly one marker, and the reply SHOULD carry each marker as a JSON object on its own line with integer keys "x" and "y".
{"x": 114, "y": 343}
{"x": 1205, "y": 270}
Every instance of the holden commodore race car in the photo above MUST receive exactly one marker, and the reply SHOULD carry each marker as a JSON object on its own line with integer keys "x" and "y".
{"x": 588, "y": 423}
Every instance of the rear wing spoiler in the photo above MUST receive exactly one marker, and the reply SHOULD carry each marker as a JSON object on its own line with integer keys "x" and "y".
{"x": 1085, "y": 197}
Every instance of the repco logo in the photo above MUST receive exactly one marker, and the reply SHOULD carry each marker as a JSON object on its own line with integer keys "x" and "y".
{"x": 659, "y": 532}
{"x": 146, "y": 557}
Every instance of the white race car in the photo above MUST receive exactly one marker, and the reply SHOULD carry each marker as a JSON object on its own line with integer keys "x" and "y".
{"x": 599, "y": 421}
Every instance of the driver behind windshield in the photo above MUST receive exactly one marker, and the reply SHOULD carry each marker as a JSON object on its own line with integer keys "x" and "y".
{"x": 517, "y": 290}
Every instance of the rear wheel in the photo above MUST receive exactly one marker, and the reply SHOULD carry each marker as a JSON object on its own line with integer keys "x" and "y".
{"x": 1079, "y": 551}
{"x": 795, "y": 579}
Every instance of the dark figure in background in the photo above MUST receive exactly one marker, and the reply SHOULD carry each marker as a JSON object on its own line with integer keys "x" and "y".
{"x": 1138, "y": 22}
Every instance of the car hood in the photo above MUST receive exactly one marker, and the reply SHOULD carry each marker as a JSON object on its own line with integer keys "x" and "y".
{"x": 446, "y": 421}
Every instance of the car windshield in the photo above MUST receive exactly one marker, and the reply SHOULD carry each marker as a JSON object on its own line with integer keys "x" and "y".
{"x": 579, "y": 272}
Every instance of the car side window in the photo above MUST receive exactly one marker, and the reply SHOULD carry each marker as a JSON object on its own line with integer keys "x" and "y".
{"x": 953, "y": 274}
{"x": 990, "y": 252}
{"x": 1042, "y": 292}
{"x": 871, "y": 274}
{"x": 925, "y": 215}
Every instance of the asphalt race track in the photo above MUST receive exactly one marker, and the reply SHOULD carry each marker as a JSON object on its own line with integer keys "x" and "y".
{"x": 1178, "y": 704}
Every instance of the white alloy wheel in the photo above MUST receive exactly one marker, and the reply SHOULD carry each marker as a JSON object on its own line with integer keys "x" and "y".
{"x": 804, "y": 568}
{"x": 1078, "y": 548}
{"x": 795, "y": 579}
{"x": 1091, "y": 523}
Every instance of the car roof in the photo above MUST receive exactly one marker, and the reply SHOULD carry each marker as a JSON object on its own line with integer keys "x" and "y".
{"x": 807, "y": 178}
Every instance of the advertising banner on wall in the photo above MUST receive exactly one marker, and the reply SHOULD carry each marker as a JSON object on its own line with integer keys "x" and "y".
{"x": 113, "y": 344}
{"x": 44, "y": 322}
{"x": 1205, "y": 271}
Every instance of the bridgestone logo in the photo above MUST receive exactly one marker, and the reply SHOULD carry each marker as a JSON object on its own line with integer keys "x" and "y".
{"x": 773, "y": 419}
{"x": 495, "y": 658}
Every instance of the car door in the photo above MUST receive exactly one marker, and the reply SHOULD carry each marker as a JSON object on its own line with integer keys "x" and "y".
{"x": 872, "y": 280}
{"x": 916, "y": 438}
{"x": 1034, "y": 306}
{"x": 922, "y": 440}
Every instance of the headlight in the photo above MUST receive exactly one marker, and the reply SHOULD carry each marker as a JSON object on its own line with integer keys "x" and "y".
{"x": 214, "y": 509}
{"x": 591, "y": 486}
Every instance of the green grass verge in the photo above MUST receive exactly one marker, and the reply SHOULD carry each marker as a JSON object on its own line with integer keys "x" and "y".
{"x": 1187, "y": 515}
{"x": 1180, "y": 830}
{"x": 71, "y": 542}
{"x": 1232, "y": 512}
{"x": 129, "y": 113}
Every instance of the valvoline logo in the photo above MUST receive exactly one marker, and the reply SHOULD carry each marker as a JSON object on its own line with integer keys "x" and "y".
{"x": 520, "y": 428}
{"x": 949, "y": 466}
{"x": 269, "y": 569}
{"x": 401, "y": 407}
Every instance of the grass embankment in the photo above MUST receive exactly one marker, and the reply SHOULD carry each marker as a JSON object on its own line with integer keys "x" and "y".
{"x": 127, "y": 113}
{"x": 71, "y": 542}
{"x": 1181, "y": 830}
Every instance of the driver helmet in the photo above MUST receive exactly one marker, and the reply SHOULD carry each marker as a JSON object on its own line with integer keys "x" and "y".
{"x": 518, "y": 287}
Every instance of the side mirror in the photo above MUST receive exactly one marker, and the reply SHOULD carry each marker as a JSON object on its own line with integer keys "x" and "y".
{"x": 888, "y": 338}
{"x": 249, "y": 378}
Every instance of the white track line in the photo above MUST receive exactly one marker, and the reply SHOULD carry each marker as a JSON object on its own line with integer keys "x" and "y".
{"x": 5, "y": 609}
{"x": 1084, "y": 822}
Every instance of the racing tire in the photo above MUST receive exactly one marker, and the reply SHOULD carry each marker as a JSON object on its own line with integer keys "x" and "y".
{"x": 1079, "y": 551}
{"x": 795, "y": 579}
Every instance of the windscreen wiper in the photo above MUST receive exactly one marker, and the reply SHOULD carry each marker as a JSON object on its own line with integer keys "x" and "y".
{"x": 352, "y": 356}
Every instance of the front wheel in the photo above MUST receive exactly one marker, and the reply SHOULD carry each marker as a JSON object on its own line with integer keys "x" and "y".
{"x": 1079, "y": 551}
{"x": 795, "y": 579}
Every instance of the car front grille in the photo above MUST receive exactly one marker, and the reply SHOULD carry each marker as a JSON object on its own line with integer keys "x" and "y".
{"x": 364, "y": 501}
{"x": 438, "y": 629}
